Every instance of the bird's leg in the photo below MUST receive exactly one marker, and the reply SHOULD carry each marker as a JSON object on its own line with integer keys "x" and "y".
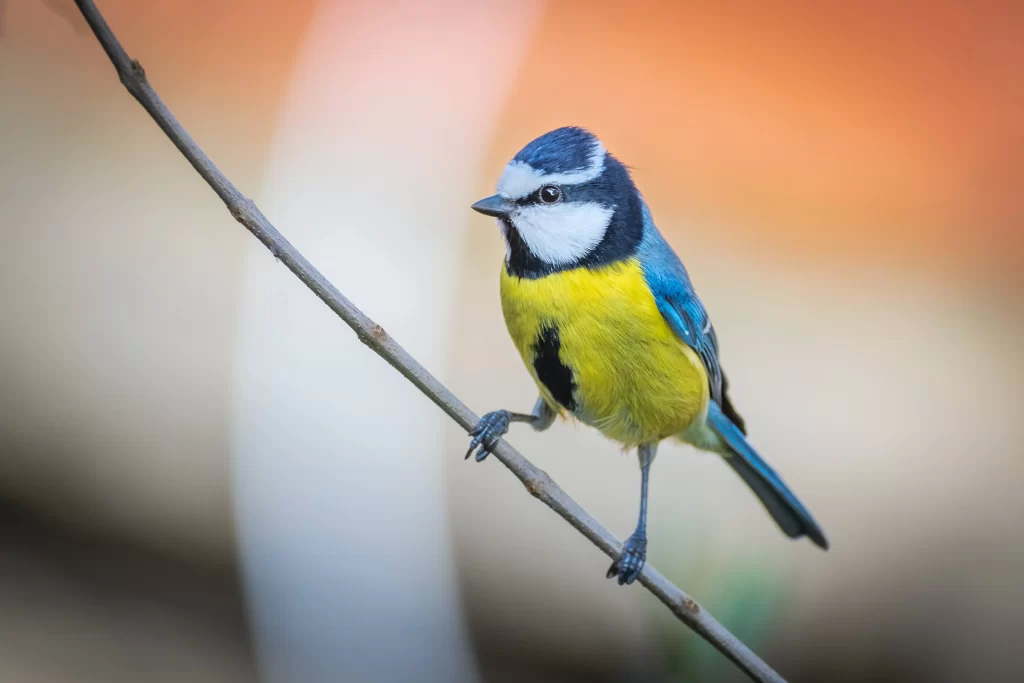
{"x": 634, "y": 551}
{"x": 492, "y": 426}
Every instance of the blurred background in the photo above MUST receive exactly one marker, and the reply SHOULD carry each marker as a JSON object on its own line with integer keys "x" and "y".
{"x": 205, "y": 477}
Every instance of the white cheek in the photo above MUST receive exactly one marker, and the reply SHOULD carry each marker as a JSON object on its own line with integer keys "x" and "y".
{"x": 562, "y": 233}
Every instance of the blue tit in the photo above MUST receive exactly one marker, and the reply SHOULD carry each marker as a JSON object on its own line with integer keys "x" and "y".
{"x": 609, "y": 326}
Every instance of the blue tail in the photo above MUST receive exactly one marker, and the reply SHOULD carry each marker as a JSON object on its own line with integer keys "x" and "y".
{"x": 787, "y": 511}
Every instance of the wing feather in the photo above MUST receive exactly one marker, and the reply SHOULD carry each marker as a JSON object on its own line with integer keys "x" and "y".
{"x": 683, "y": 309}
{"x": 688, "y": 318}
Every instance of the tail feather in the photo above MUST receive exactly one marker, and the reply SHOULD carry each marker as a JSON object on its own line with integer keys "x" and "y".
{"x": 784, "y": 507}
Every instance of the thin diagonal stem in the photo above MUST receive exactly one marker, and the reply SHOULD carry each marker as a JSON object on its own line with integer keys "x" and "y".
{"x": 537, "y": 482}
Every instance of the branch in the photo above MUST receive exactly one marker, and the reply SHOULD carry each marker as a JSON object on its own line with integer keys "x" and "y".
{"x": 537, "y": 482}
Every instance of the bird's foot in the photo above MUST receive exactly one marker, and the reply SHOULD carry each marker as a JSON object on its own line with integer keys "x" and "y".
{"x": 488, "y": 430}
{"x": 631, "y": 560}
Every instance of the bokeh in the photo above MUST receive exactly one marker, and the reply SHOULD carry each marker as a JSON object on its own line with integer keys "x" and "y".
{"x": 205, "y": 476}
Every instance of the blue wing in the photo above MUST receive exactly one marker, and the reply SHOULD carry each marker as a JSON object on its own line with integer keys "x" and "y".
{"x": 688, "y": 319}
{"x": 678, "y": 303}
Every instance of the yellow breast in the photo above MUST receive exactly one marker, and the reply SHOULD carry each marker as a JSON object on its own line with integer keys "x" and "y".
{"x": 600, "y": 330}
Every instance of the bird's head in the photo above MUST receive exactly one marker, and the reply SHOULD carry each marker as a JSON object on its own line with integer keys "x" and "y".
{"x": 564, "y": 202}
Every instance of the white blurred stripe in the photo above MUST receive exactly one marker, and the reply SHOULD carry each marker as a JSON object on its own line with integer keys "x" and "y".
{"x": 340, "y": 507}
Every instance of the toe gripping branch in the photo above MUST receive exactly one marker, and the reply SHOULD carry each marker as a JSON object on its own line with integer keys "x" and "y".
{"x": 630, "y": 561}
{"x": 493, "y": 425}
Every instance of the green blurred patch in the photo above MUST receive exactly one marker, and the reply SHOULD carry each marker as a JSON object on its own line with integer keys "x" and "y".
{"x": 743, "y": 592}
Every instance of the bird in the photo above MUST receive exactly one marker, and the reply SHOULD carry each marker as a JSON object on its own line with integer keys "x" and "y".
{"x": 606, "y": 320}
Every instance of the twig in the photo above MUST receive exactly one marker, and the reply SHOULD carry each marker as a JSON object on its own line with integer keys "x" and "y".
{"x": 537, "y": 482}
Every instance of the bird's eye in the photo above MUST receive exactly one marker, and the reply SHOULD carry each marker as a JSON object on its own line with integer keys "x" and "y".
{"x": 549, "y": 194}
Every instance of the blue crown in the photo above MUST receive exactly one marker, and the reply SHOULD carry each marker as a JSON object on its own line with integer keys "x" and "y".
{"x": 564, "y": 150}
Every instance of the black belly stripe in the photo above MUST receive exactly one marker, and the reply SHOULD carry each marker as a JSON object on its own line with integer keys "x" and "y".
{"x": 551, "y": 372}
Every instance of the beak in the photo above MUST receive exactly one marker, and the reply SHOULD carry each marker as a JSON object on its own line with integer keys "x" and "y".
{"x": 496, "y": 206}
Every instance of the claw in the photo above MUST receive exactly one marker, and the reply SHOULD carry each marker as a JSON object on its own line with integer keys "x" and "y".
{"x": 486, "y": 433}
{"x": 477, "y": 440}
{"x": 630, "y": 561}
